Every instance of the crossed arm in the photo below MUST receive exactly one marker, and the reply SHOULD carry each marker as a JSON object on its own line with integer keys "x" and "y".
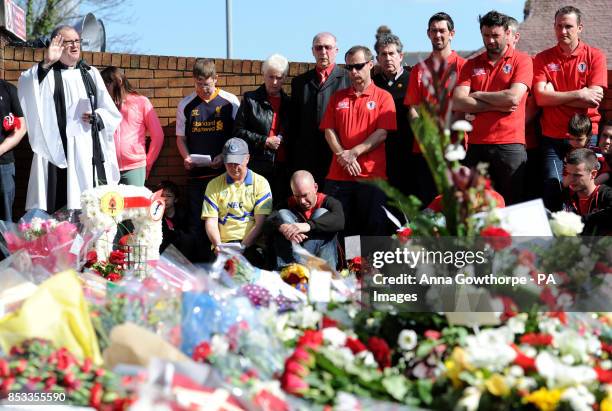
{"x": 585, "y": 97}
{"x": 348, "y": 158}
{"x": 506, "y": 100}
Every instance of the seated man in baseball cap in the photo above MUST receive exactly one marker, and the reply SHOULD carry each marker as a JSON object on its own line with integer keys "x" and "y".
{"x": 237, "y": 202}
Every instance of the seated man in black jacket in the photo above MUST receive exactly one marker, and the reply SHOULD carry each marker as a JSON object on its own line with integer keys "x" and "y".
{"x": 585, "y": 198}
{"x": 311, "y": 219}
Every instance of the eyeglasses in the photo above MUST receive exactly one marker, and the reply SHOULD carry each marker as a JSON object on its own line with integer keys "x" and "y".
{"x": 320, "y": 47}
{"x": 357, "y": 66}
{"x": 71, "y": 42}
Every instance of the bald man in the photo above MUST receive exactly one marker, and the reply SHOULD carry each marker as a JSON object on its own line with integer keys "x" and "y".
{"x": 310, "y": 219}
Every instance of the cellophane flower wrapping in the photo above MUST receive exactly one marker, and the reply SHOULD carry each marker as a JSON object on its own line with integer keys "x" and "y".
{"x": 55, "y": 243}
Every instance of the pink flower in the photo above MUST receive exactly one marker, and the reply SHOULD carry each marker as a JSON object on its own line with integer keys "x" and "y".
{"x": 303, "y": 357}
{"x": 293, "y": 384}
{"x": 293, "y": 366}
{"x": 433, "y": 334}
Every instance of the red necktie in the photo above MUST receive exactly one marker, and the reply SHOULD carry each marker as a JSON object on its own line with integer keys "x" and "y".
{"x": 322, "y": 77}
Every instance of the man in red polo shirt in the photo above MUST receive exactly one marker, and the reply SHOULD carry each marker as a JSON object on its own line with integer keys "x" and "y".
{"x": 356, "y": 123}
{"x": 440, "y": 30}
{"x": 568, "y": 78}
{"x": 493, "y": 86}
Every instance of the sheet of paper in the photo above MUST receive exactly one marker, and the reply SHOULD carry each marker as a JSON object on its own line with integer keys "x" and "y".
{"x": 76, "y": 126}
{"x": 352, "y": 246}
{"x": 526, "y": 219}
{"x": 201, "y": 160}
{"x": 319, "y": 286}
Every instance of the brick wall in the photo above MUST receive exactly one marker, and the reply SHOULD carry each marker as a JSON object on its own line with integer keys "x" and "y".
{"x": 165, "y": 80}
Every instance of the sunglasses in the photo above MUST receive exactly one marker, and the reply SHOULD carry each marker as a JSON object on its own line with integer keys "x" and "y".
{"x": 320, "y": 47}
{"x": 358, "y": 66}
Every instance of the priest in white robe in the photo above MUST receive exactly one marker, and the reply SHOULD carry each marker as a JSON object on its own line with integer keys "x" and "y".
{"x": 57, "y": 97}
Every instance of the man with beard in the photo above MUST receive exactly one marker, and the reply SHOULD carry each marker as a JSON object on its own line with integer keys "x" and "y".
{"x": 310, "y": 94}
{"x": 493, "y": 86}
{"x": 356, "y": 123}
{"x": 393, "y": 78}
{"x": 569, "y": 78}
{"x": 440, "y": 30}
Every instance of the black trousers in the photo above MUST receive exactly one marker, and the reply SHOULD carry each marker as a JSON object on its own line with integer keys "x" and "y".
{"x": 507, "y": 166}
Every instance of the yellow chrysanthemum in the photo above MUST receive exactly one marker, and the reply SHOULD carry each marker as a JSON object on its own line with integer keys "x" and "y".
{"x": 544, "y": 399}
{"x": 455, "y": 365}
{"x": 606, "y": 404}
{"x": 497, "y": 385}
{"x": 293, "y": 272}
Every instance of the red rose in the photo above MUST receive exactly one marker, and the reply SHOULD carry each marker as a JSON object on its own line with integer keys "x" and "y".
{"x": 604, "y": 376}
{"x": 92, "y": 258}
{"x": 496, "y": 237}
{"x": 606, "y": 347}
{"x": 404, "y": 234}
{"x": 560, "y": 315}
{"x": 113, "y": 277}
{"x": 21, "y": 366}
{"x": 4, "y": 368}
{"x": 355, "y": 264}
{"x": 523, "y": 361}
{"x": 50, "y": 383}
{"x": 95, "y": 396}
{"x": 381, "y": 351}
{"x": 355, "y": 345}
{"x": 6, "y": 384}
{"x": 87, "y": 364}
{"x": 310, "y": 339}
{"x": 293, "y": 384}
{"x": 602, "y": 268}
{"x": 432, "y": 334}
{"x": 537, "y": 339}
{"x": 201, "y": 352}
{"x": 117, "y": 257}
{"x": 329, "y": 322}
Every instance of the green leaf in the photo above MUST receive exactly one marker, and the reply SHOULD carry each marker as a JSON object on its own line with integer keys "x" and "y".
{"x": 425, "y": 348}
{"x": 396, "y": 386}
{"x": 424, "y": 388}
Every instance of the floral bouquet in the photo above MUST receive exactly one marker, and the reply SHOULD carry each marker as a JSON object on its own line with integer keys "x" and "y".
{"x": 36, "y": 366}
{"x": 54, "y": 245}
{"x": 147, "y": 303}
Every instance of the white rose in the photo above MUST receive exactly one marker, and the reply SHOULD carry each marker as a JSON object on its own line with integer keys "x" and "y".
{"x": 566, "y": 224}
{"x": 579, "y": 398}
